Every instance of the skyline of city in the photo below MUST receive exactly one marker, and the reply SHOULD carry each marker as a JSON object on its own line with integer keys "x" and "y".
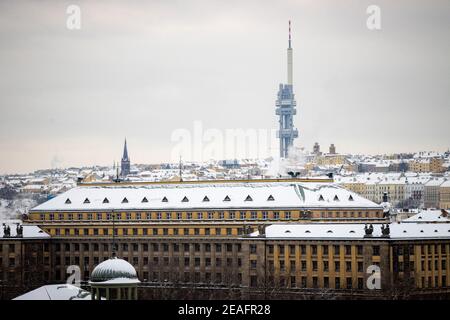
{"x": 207, "y": 70}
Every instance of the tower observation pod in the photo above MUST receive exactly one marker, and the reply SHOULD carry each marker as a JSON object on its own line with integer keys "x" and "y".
{"x": 285, "y": 107}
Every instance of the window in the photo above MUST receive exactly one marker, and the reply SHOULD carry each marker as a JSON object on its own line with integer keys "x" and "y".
{"x": 253, "y": 248}
{"x": 164, "y": 199}
{"x": 253, "y": 215}
{"x": 376, "y": 250}
{"x": 325, "y": 266}
{"x": 337, "y": 266}
{"x": 303, "y": 265}
{"x": 210, "y": 215}
{"x": 348, "y": 250}
{"x": 248, "y": 198}
{"x": 125, "y": 200}
{"x": 270, "y": 198}
{"x": 232, "y": 215}
{"x": 253, "y": 264}
{"x": 303, "y": 249}
{"x": 185, "y": 199}
{"x": 349, "y": 283}
{"x": 348, "y": 266}
{"x": 287, "y": 215}
{"x": 253, "y": 281}
{"x": 205, "y": 199}
{"x": 337, "y": 283}
{"x": 325, "y": 250}
{"x": 227, "y": 198}
{"x": 276, "y": 215}
{"x": 359, "y": 250}
{"x": 337, "y": 250}
{"x": 264, "y": 215}
{"x": 144, "y": 200}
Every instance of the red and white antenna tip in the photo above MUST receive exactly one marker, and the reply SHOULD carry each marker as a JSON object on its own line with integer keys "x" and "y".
{"x": 289, "y": 33}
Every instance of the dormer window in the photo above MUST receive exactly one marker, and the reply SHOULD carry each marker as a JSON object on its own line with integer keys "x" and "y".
{"x": 336, "y": 198}
{"x": 144, "y": 200}
{"x": 307, "y": 231}
{"x": 165, "y": 199}
{"x": 205, "y": 199}
{"x": 321, "y": 198}
{"x": 248, "y": 198}
{"x": 350, "y": 198}
{"x": 227, "y": 198}
{"x": 68, "y": 201}
{"x": 185, "y": 199}
{"x": 287, "y": 231}
{"x": 125, "y": 200}
{"x": 330, "y": 231}
{"x": 270, "y": 198}
{"x": 86, "y": 201}
{"x": 105, "y": 200}
{"x": 352, "y": 231}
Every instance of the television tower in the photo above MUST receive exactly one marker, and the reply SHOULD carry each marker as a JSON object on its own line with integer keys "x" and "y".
{"x": 285, "y": 108}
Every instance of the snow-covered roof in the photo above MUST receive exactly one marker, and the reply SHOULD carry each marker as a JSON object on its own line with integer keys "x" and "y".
{"x": 114, "y": 271}
{"x": 208, "y": 195}
{"x": 29, "y": 231}
{"x": 56, "y": 292}
{"x": 398, "y": 231}
{"x": 429, "y": 216}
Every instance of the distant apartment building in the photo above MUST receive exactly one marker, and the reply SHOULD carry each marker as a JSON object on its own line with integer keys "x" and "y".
{"x": 431, "y": 192}
{"x": 330, "y": 159}
{"x": 435, "y": 165}
{"x": 444, "y": 195}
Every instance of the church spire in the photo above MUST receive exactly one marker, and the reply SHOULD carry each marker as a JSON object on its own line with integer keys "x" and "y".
{"x": 125, "y": 151}
{"x": 125, "y": 163}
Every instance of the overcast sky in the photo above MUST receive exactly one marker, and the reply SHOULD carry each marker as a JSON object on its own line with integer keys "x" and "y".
{"x": 143, "y": 69}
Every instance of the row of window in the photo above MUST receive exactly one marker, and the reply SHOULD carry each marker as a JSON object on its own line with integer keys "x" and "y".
{"x": 315, "y": 282}
{"x": 158, "y": 261}
{"x": 216, "y": 215}
{"x": 314, "y": 249}
{"x": 146, "y": 231}
{"x": 221, "y": 215}
{"x": 325, "y": 266}
{"x": 155, "y": 247}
